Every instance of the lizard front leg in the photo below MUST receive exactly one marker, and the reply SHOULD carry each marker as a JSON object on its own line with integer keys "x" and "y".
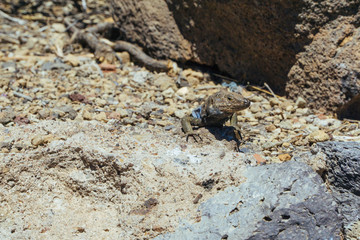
{"x": 187, "y": 127}
{"x": 233, "y": 123}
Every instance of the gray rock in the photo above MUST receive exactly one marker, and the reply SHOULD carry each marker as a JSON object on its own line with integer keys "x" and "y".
{"x": 6, "y": 116}
{"x": 278, "y": 201}
{"x": 343, "y": 162}
{"x": 344, "y": 165}
{"x": 48, "y": 65}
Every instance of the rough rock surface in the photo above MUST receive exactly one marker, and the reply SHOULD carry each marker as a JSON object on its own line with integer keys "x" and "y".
{"x": 327, "y": 73}
{"x": 343, "y": 162}
{"x": 250, "y": 40}
{"x": 344, "y": 165}
{"x": 269, "y": 205}
{"x": 150, "y": 24}
{"x": 90, "y": 180}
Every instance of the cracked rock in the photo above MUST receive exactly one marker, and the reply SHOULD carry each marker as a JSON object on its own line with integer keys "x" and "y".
{"x": 278, "y": 201}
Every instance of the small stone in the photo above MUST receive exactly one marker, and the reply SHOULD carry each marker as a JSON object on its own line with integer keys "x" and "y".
{"x": 180, "y": 113}
{"x": 164, "y": 82}
{"x": 168, "y": 93}
{"x": 77, "y": 97}
{"x": 259, "y": 159}
{"x": 255, "y": 107}
{"x": 123, "y": 112}
{"x": 58, "y": 27}
{"x": 163, "y": 123}
{"x": 107, "y": 67}
{"x": 269, "y": 145}
{"x": 318, "y": 136}
{"x": 270, "y": 128}
{"x": 140, "y": 77}
{"x": 100, "y": 116}
{"x": 114, "y": 115}
{"x": 192, "y": 77}
{"x": 183, "y": 91}
{"x": 289, "y": 108}
{"x": 254, "y": 98}
{"x": 170, "y": 110}
{"x": 284, "y": 157}
{"x": 286, "y": 124}
{"x": 274, "y": 102}
{"x": 38, "y": 140}
{"x": 286, "y": 144}
{"x": 100, "y": 102}
{"x": 87, "y": 115}
{"x": 259, "y": 115}
{"x": 65, "y": 111}
{"x": 300, "y": 102}
{"x": 6, "y": 117}
{"x": 4, "y": 100}
{"x": 285, "y": 104}
{"x": 21, "y": 120}
{"x": 5, "y": 150}
{"x": 302, "y": 111}
{"x": 72, "y": 60}
{"x": 124, "y": 56}
{"x": 44, "y": 113}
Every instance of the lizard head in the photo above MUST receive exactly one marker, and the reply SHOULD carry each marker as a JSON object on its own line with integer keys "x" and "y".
{"x": 229, "y": 102}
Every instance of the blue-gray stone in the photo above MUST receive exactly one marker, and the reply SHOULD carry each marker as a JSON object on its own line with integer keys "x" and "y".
{"x": 277, "y": 201}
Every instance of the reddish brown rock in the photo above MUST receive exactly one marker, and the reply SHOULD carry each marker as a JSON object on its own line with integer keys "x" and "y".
{"x": 254, "y": 41}
{"x": 151, "y": 25}
{"x": 327, "y": 73}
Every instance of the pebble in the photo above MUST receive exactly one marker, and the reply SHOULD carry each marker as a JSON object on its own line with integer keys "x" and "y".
{"x": 123, "y": 112}
{"x": 286, "y": 124}
{"x": 180, "y": 113}
{"x": 318, "y": 136}
{"x": 124, "y": 56}
{"x": 255, "y": 98}
{"x": 41, "y": 139}
{"x": 6, "y": 116}
{"x": 183, "y": 91}
{"x": 58, "y": 27}
{"x": 114, "y": 115}
{"x": 300, "y": 103}
{"x": 274, "y": 102}
{"x": 100, "y": 102}
{"x": 72, "y": 60}
{"x": 164, "y": 82}
{"x": 87, "y": 115}
{"x": 140, "y": 77}
{"x": 284, "y": 157}
{"x": 168, "y": 93}
{"x": 259, "y": 159}
{"x": 101, "y": 116}
{"x": 327, "y": 122}
{"x": 285, "y": 104}
{"x": 255, "y": 107}
{"x": 286, "y": 144}
{"x": 270, "y": 128}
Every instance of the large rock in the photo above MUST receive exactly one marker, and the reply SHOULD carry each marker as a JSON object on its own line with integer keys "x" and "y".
{"x": 279, "y": 201}
{"x": 327, "y": 73}
{"x": 344, "y": 165}
{"x": 343, "y": 174}
{"x": 150, "y": 24}
{"x": 256, "y": 41}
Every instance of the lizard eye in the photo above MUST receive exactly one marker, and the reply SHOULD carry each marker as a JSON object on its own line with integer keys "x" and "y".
{"x": 229, "y": 98}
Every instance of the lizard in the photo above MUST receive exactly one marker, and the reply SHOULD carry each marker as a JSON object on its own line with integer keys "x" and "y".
{"x": 215, "y": 111}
